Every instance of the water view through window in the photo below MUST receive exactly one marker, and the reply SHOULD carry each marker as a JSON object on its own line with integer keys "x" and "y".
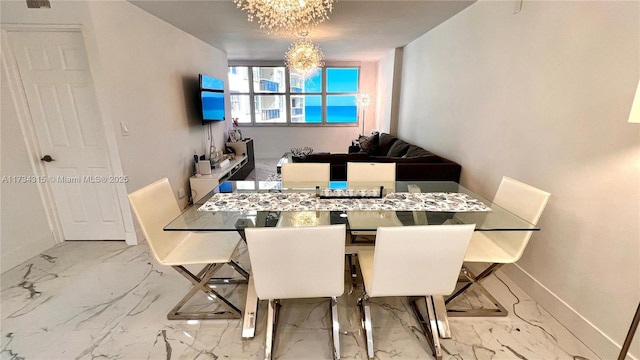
{"x": 327, "y": 97}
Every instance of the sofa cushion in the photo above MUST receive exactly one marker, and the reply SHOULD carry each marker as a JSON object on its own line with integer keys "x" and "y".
{"x": 407, "y": 160}
{"x": 368, "y": 143}
{"x": 414, "y": 150}
{"x": 335, "y": 158}
{"x": 384, "y": 144}
{"x": 398, "y": 148}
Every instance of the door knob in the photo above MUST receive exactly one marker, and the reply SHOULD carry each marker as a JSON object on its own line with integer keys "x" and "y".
{"x": 48, "y": 158}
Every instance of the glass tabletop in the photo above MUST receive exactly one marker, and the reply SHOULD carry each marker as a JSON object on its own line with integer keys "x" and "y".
{"x": 193, "y": 219}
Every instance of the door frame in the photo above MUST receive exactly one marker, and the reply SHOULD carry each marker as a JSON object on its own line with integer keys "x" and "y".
{"x": 27, "y": 128}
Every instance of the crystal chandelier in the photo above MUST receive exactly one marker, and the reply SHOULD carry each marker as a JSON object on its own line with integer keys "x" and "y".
{"x": 304, "y": 58}
{"x": 293, "y": 16}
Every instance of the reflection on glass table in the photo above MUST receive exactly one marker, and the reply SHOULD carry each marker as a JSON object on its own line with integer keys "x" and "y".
{"x": 497, "y": 219}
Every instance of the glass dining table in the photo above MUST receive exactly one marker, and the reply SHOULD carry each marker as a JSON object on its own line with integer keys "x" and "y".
{"x": 236, "y": 205}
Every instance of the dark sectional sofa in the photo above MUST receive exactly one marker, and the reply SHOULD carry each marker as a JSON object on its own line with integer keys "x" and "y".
{"x": 412, "y": 162}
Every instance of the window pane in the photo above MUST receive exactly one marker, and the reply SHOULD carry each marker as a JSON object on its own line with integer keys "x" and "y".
{"x": 270, "y": 109}
{"x": 306, "y": 109}
{"x": 239, "y": 79}
{"x": 311, "y": 85}
{"x": 268, "y": 79}
{"x": 240, "y": 108}
{"x": 342, "y": 109}
{"x": 342, "y": 80}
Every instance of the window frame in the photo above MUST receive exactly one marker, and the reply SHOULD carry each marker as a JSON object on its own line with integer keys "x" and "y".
{"x": 287, "y": 94}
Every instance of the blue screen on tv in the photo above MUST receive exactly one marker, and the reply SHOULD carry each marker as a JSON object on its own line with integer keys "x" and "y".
{"x": 212, "y": 105}
{"x": 211, "y": 83}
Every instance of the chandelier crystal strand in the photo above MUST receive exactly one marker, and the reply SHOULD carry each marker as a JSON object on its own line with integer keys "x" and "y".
{"x": 304, "y": 58}
{"x": 293, "y": 16}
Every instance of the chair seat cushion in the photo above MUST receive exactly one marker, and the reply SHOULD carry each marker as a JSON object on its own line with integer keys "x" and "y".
{"x": 371, "y": 220}
{"x": 365, "y": 259}
{"x": 484, "y": 249}
{"x": 353, "y": 249}
{"x": 204, "y": 248}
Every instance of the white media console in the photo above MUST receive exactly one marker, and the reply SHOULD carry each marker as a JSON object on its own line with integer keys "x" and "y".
{"x": 237, "y": 169}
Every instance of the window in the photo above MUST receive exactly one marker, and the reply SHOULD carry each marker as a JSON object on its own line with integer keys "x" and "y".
{"x": 270, "y": 95}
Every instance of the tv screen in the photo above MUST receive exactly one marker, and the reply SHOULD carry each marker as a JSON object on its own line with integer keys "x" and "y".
{"x": 212, "y": 105}
{"x": 211, "y": 83}
{"x": 212, "y": 98}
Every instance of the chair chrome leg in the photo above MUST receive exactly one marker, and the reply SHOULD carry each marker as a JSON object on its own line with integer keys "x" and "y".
{"x": 429, "y": 325}
{"x": 441, "y": 317}
{"x": 200, "y": 284}
{"x": 239, "y": 269}
{"x": 365, "y": 316}
{"x": 352, "y": 266}
{"x": 272, "y": 322}
{"x": 474, "y": 280}
{"x": 230, "y": 280}
{"x": 335, "y": 327}
{"x": 353, "y": 271}
{"x": 431, "y": 313}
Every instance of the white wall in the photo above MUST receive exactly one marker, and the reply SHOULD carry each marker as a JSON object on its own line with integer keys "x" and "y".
{"x": 544, "y": 96}
{"x": 271, "y": 141}
{"x": 146, "y": 76}
{"x": 386, "y": 66}
{"x": 145, "y": 72}
{"x": 389, "y": 91}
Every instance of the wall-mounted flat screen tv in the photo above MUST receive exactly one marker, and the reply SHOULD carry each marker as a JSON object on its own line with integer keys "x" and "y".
{"x": 212, "y": 98}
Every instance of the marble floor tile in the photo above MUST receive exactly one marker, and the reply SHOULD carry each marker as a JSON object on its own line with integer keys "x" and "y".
{"x": 93, "y": 300}
{"x": 264, "y": 169}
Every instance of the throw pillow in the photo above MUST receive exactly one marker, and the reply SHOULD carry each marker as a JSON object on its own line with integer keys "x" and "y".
{"x": 398, "y": 148}
{"x": 367, "y": 143}
{"x": 384, "y": 144}
{"x": 416, "y": 151}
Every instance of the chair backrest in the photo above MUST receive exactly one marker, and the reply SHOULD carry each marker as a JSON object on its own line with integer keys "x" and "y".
{"x": 419, "y": 217}
{"x": 310, "y": 174}
{"x": 525, "y": 201}
{"x": 359, "y": 173}
{"x": 418, "y": 260}
{"x": 155, "y": 206}
{"x": 297, "y": 262}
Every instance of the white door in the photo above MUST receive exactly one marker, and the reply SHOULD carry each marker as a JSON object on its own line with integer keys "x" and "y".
{"x": 57, "y": 81}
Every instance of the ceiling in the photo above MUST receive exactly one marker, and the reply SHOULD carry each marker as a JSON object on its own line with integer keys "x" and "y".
{"x": 357, "y": 30}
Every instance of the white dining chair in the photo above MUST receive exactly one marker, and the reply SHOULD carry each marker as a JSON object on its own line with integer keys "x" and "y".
{"x": 422, "y": 261}
{"x": 499, "y": 248}
{"x": 371, "y": 174}
{"x": 365, "y": 173}
{"x": 305, "y": 174}
{"x": 155, "y": 206}
{"x": 368, "y": 174}
{"x": 304, "y": 262}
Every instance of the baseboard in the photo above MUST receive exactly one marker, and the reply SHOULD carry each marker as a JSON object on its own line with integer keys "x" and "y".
{"x": 601, "y": 344}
